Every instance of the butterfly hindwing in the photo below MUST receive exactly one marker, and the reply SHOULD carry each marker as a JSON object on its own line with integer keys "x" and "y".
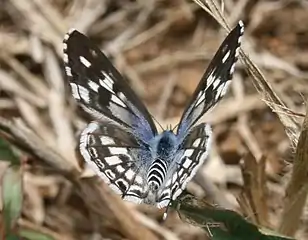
{"x": 101, "y": 90}
{"x": 215, "y": 81}
{"x": 193, "y": 152}
{"x": 113, "y": 154}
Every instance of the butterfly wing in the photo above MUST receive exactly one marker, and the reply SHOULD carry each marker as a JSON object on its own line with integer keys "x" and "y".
{"x": 115, "y": 143}
{"x": 101, "y": 90}
{"x": 192, "y": 153}
{"x": 215, "y": 81}
{"x": 196, "y": 140}
{"x": 116, "y": 156}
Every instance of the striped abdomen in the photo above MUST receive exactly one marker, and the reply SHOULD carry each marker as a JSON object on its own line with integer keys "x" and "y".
{"x": 163, "y": 148}
{"x": 157, "y": 173}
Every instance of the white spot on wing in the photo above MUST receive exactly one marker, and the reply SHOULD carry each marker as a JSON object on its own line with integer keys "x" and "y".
{"x": 122, "y": 96}
{"x": 174, "y": 177}
{"x": 168, "y": 183}
{"x": 224, "y": 59}
{"x": 187, "y": 163}
{"x": 196, "y": 142}
{"x": 139, "y": 180}
{"x": 84, "y": 61}
{"x": 108, "y": 78}
{"x": 113, "y": 160}
{"x": 210, "y": 79}
{"x": 106, "y": 140}
{"x": 177, "y": 193}
{"x": 225, "y": 88}
{"x": 93, "y": 85}
{"x": 117, "y": 150}
{"x": 116, "y": 100}
{"x": 107, "y": 85}
{"x": 216, "y": 83}
{"x": 66, "y": 37}
{"x": 120, "y": 169}
{"x": 80, "y": 92}
{"x": 232, "y": 69}
{"x": 188, "y": 152}
{"x": 65, "y": 58}
{"x": 241, "y": 26}
{"x": 75, "y": 91}
{"x": 201, "y": 97}
{"x": 129, "y": 174}
{"x": 222, "y": 89}
{"x": 68, "y": 71}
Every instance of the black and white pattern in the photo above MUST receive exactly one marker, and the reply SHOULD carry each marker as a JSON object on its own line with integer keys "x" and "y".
{"x": 122, "y": 144}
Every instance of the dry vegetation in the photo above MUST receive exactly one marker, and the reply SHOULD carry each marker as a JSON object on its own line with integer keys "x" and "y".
{"x": 162, "y": 47}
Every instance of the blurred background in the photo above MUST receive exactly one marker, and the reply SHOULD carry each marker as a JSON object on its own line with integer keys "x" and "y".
{"x": 162, "y": 48}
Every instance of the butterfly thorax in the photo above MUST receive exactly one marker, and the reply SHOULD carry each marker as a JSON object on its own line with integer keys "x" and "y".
{"x": 164, "y": 144}
{"x": 163, "y": 148}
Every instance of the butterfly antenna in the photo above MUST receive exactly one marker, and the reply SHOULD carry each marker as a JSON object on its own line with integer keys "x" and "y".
{"x": 158, "y": 123}
{"x": 175, "y": 127}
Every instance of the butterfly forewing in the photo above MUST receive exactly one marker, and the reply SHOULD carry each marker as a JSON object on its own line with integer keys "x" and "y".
{"x": 215, "y": 81}
{"x": 101, "y": 90}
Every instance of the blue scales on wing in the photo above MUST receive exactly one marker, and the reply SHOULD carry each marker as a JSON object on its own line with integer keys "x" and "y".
{"x": 215, "y": 81}
{"x": 116, "y": 156}
{"x": 101, "y": 90}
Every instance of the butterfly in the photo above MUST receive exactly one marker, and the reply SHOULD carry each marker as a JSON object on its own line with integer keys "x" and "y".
{"x": 122, "y": 144}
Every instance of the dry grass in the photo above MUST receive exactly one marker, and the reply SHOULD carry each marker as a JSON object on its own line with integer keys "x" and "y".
{"x": 162, "y": 48}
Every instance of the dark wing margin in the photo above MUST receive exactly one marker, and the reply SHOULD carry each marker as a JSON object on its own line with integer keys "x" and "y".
{"x": 215, "y": 81}
{"x": 100, "y": 89}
